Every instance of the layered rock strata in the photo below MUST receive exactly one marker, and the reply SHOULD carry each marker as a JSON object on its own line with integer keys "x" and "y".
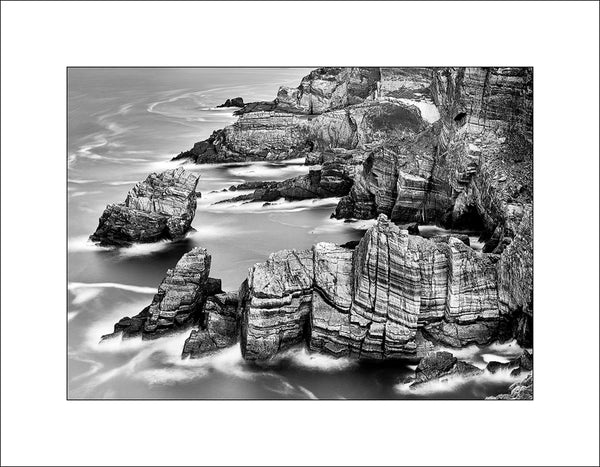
{"x": 332, "y": 108}
{"x": 179, "y": 302}
{"x": 383, "y": 299}
{"x": 161, "y": 207}
{"x": 255, "y": 136}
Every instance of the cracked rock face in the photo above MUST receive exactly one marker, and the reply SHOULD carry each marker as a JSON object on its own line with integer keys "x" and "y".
{"x": 219, "y": 329}
{"x": 328, "y": 89}
{"x": 384, "y": 299}
{"x": 161, "y": 207}
{"x": 179, "y": 301}
{"x": 275, "y": 302}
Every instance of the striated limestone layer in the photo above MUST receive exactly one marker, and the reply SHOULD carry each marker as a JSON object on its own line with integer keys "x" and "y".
{"x": 160, "y": 207}
{"x": 179, "y": 301}
{"x": 486, "y": 157}
{"x": 384, "y": 299}
{"x": 264, "y": 135}
{"x": 397, "y": 180}
{"x": 275, "y": 303}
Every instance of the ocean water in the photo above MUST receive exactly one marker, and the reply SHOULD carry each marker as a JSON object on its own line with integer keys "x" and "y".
{"x": 124, "y": 124}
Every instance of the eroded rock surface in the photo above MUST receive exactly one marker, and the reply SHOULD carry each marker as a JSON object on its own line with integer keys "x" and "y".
{"x": 383, "y": 299}
{"x": 161, "y": 207}
{"x": 437, "y": 366}
{"x": 219, "y": 327}
{"x": 186, "y": 296}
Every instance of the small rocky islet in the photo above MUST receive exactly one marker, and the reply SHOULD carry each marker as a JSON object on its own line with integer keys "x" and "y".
{"x": 404, "y": 146}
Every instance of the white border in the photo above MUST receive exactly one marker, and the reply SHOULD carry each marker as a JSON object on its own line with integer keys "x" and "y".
{"x": 559, "y": 39}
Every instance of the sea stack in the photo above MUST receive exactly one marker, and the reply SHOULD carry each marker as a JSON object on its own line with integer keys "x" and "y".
{"x": 161, "y": 207}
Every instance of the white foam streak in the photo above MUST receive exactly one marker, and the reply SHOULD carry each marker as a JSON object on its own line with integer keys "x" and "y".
{"x": 74, "y": 286}
{"x": 301, "y": 357}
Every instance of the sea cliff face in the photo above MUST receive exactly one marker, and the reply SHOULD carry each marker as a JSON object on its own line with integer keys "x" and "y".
{"x": 384, "y": 299}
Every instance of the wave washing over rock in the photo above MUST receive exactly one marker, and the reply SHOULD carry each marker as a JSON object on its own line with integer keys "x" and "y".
{"x": 445, "y": 146}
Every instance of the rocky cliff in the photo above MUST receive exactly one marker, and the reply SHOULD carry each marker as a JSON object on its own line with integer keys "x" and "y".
{"x": 332, "y": 108}
{"x": 387, "y": 298}
{"x": 161, "y": 207}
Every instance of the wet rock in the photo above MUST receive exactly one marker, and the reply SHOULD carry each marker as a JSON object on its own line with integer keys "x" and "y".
{"x": 522, "y": 390}
{"x": 255, "y": 136}
{"x": 439, "y": 365}
{"x": 494, "y": 367}
{"x": 275, "y": 302}
{"x": 219, "y": 328}
{"x": 179, "y": 301}
{"x": 161, "y": 207}
{"x": 234, "y": 102}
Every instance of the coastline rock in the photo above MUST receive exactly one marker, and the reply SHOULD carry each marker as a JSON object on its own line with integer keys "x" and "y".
{"x": 442, "y": 365}
{"x": 179, "y": 301}
{"x": 161, "y": 207}
{"x": 386, "y": 298}
{"x": 275, "y": 303}
{"x": 326, "y": 89}
{"x": 219, "y": 328}
{"x": 522, "y": 390}
{"x": 264, "y": 135}
{"x": 234, "y": 102}
{"x": 333, "y": 178}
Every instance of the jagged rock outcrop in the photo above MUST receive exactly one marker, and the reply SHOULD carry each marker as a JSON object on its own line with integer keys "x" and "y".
{"x": 383, "y": 299}
{"x": 179, "y": 302}
{"x": 275, "y": 302}
{"x": 523, "y": 363}
{"x": 349, "y": 116}
{"x": 233, "y": 102}
{"x": 255, "y": 136}
{"x": 332, "y": 178}
{"x": 219, "y": 327}
{"x": 397, "y": 180}
{"x": 161, "y": 207}
{"x": 328, "y": 89}
{"x": 521, "y": 390}
{"x": 438, "y": 366}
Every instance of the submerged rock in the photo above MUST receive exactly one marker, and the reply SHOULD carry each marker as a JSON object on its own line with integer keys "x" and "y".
{"x": 161, "y": 207}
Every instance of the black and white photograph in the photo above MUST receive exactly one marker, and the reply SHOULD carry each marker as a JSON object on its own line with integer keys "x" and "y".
{"x": 335, "y": 232}
{"x": 300, "y": 233}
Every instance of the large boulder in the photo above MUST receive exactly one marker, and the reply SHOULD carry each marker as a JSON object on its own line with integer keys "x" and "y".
{"x": 161, "y": 207}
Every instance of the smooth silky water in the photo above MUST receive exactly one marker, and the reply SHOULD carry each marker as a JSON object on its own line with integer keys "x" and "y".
{"x": 127, "y": 123}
